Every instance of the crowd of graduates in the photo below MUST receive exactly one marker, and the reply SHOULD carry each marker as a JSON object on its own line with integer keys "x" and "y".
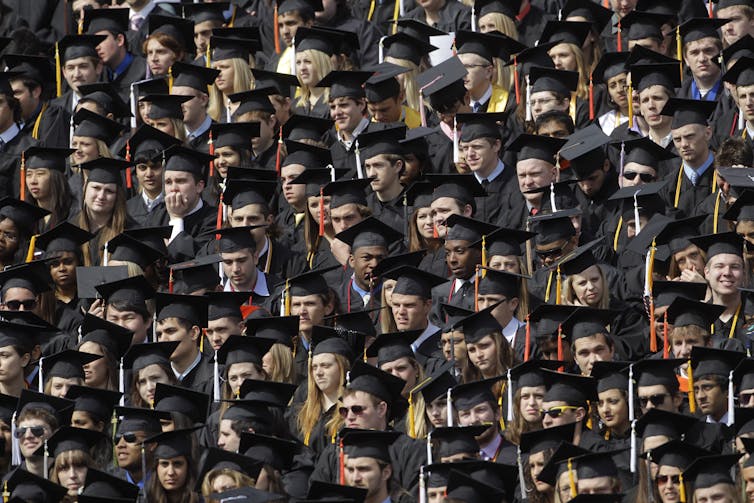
{"x": 375, "y": 251}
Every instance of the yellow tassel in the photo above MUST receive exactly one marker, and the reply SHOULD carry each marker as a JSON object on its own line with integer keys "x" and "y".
{"x": 208, "y": 57}
{"x": 549, "y": 285}
{"x": 589, "y": 418}
{"x": 58, "y": 82}
{"x": 571, "y": 478}
{"x": 170, "y": 80}
{"x": 558, "y": 287}
{"x": 683, "y": 488}
{"x": 201, "y": 343}
{"x": 396, "y": 14}
{"x": 307, "y": 438}
{"x": 500, "y": 406}
{"x": 617, "y": 233}
{"x": 679, "y": 49}
{"x": 35, "y": 131}
{"x": 692, "y": 400}
{"x": 287, "y": 297}
{"x": 484, "y": 252}
{"x": 678, "y": 181}
{"x": 233, "y": 16}
{"x": 714, "y": 182}
{"x": 32, "y": 244}
{"x": 716, "y": 213}
{"x": 6, "y": 493}
{"x": 411, "y": 421}
{"x": 372, "y": 5}
{"x": 630, "y": 93}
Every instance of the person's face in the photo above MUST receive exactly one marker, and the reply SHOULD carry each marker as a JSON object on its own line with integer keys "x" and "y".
{"x": 366, "y": 473}
{"x": 288, "y": 23}
{"x": 457, "y": 342}
{"x": 219, "y": 330}
{"x": 72, "y": 477}
{"x": 613, "y": 408}
{"x": 128, "y": 449}
{"x": 747, "y": 474}
{"x": 563, "y": 487}
{"x": 404, "y": 369}
{"x": 564, "y": 414}
{"x": 481, "y": 413}
{"x": 346, "y": 112}
{"x": 483, "y": 354}
{"x": 202, "y": 34}
{"x": 227, "y": 439}
{"x": 29, "y": 441}
{"x": 306, "y": 71}
{"x": 616, "y": 88}
{"x": 530, "y": 404}
{"x": 668, "y": 483}
{"x": 622, "y": 7}
{"x": 651, "y": 102}
{"x": 239, "y": 372}
{"x": 363, "y": 260}
{"x": 410, "y": 311}
{"x": 481, "y": 154}
{"x": 740, "y": 23}
{"x": 163, "y": 124}
{"x": 345, "y": 216}
{"x": 725, "y": 273}
{"x": 389, "y": 110}
{"x": 147, "y": 380}
{"x": 109, "y": 49}
{"x": 692, "y": 142}
{"x": 657, "y": 397}
{"x": 437, "y": 412}
{"x": 536, "y": 463}
{"x": 746, "y": 101}
{"x": 700, "y": 56}
{"x": 595, "y": 485}
{"x": 172, "y": 473}
{"x": 441, "y": 208}
{"x": 8, "y": 237}
{"x": 424, "y": 222}
{"x": 563, "y": 57}
{"x": 719, "y": 493}
{"x": 81, "y": 71}
{"x": 149, "y": 176}
{"x": 592, "y": 184}
{"x": 387, "y": 289}
{"x": 313, "y": 205}
{"x": 27, "y": 99}
{"x": 12, "y": 364}
{"x": 746, "y": 398}
{"x": 159, "y": 58}
{"x": 588, "y": 286}
{"x": 20, "y": 299}
{"x": 544, "y": 101}
{"x": 294, "y": 193}
{"x": 96, "y": 372}
{"x": 711, "y": 397}
{"x": 81, "y": 419}
{"x": 553, "y": 128}
{"x": 184, "y": 183}
{"x": 240, "y": 267}
{"x": 5, "y": 431}
{"x": 310, "y": 309}
{"x": 86, "y": 149}
{"x": 326, "y": 372}
{"x": 369, "y": 416}
{"x": 534, "y": 174}
{"x": 195, "y": 109}
{"x": 63, "y": 269}
{"x": 549, "y": 253}
{"x": 635, "y": 174}
{"x": 251, "y": 214}
{"x": 689, "y": 259}
{"x": 100, "y": 197}
{"x": 130, "y": 320}
{"x": 594, "y": 348}
{"x": 436, "y": 494}
{"x": 681, "y": 344}
{"x": 461, "y": 259}
{"x": 6, "y": 114}
{"x": 223, "y": 482}
{"x": 384, "y": 173}
{"x": 479, "y": 76}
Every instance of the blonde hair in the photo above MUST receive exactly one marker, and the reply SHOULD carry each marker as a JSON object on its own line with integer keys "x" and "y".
{"x": 312, "y": 410}
{"x": 416, "y": 401}
{"x": 519, "y": 425}
{"x": 66, "y": 459}
{"x": 322, "y": 66}
{"x": 179, "y": 128}
{"x": 239, "y": 479}
{"x": 410, "y": 87}
{"x": 282, "y": 368}
{"x": 503, "y": 24}
{"x": 114, "y": 226}
{"x": 387, "y": 320}
{"x": 243, "y": 80}
{"x": 582, "y": 90}
{"x": 569, "y": 294}
{"x": 523, "y": 292}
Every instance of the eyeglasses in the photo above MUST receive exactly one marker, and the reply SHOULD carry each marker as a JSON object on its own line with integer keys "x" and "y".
{"x": 556, "y": 412}
{"x": 644, "y": 177}
{"x": 551, "y": 253}
{"x": 656, "y": 400}
{"x": 37, "y": 431}
{"x": 664, "y": 479}
{"x": 356, "y": 410}
{"x": 745, "y": 397}
{"x": 15, "y": 305}
{"x": 130, "y": 438}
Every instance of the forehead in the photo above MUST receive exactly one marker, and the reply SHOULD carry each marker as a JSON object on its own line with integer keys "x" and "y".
{"x": 529, "y": 165}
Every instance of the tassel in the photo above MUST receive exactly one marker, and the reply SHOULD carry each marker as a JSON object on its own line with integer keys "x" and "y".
{"x": 170, "y": 80}
{"x": 143, "y": 461}
{"x": 58, "y": 79}
{"x": 341, "y": 463}
{"x": 500, "y": 408}
{"x": 456, "y": 149}
{"x": 571, "y": 478}
{"x": 219, "y": 221}
{"x": 154, "y": 326}
{"x": 473, "y": 17}
{"x": 560, "y": 342}
{"x": 411, "y": 420}
{"x": 476, "y": 287}
{"x": 15, "y": 447}
{"x": 449, "y": 406}
{"x": 553, "y": 206}
{"x": 422, "y": 486}
{"x": 208, "y": 57}
{"x": 105, "y": 254}
{"x": 287, "y": 297}
{"x": 80, "y": 27}
{"x": 134, "y": 107}
{"x": 6, "y": 493}
{"x": 665, "y": 342}
{"x": 527, "y": 340}
{"x": 40, "y": 383}
{"x": 321, "y": 212}
{"x": 692, "y": 398}
{"x": 683, "y": 488}
{"x": 709, "y": 9}
{"x": 216, "y": 380}
{"x": 679, "y": 49}
{"x": 731, "y": 401}
{"x": 637, "y": 221}
{"x": 129, "y": 182}
{"x": 632, "y": 462}
{"x": 279, "y": 151}
{"x": 121, "y": 382}
{"x": 171, "y": 282}
{"x": 630, "y": 94}
{"x": 201, "y": 340}
{"x": 521, "y": 478}
{"x": 381, "y": 50}
{"x": 45, "y": 464}
{"x": 516, "y": 84}
{"x": 357, "y": 152}
{"x": 652, "y": 327}
{"x": 233, "y": 17}
{"x": 591, "y": 98}
{"x": 276, "y": 31}
{"x": 211, "y": 144}
{"x": 22, "y": 188}
{"x": 528, "y": 100}
{"x": 622, "y": 161}
{"x": 620, "y": 38}
{"x": 435, "y": 232}
{"x": 558, "y": 287}
{"x": 429, "y": 448}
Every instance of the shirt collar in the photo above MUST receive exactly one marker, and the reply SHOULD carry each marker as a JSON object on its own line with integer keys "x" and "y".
{"x": 485, "y": 97}
{"x": 362, "y": 293}
{"x": 10, "y": 133}
{"x": 144, "y": 12}
{"x": 356, "y": 132}
{"x": 495, "y": 173}
{"x": 261, "y": 288}
{"x": 121, "y": 69}
{"x": 701, "y": 169}
{"x": 509, "y": 330}
{"x": 489, "y": 451}
{"x": 203, "y": 127}
{"x": 191, "y": 367}
{"x": 151, "y": 203}
{"x": 723, "y": 420}
{"x": 429, "y": 331}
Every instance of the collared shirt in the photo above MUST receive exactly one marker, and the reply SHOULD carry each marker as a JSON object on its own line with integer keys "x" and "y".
{"x": 74, "y": 101}
{"x": 151, "y": 203}
{"x": 430, "y": 330}
{"x": 723, "y": 420}
{"x": 144, "y": 12}
{"x": 510, "y": 330}
{"x": 203, "y": 127}
{"x": 177, "y": 223}
{"x": 484, "y": 99}
{"x": 140, "y": 483}
{"x": 749, "y": 129}
{"x": 122, "y": 67}
{"x": 10, "y": 133}
{"x": 489, "y": 451}
{"x": 260, "y": 287}
{"x": 355, "y": 134}
{"x": 458, "y": 284}
{"x": 182, "y": 376}
{"x": 695, "y": 174}
{"x": 365, "y": 295}
{"x": 495, "y": 173}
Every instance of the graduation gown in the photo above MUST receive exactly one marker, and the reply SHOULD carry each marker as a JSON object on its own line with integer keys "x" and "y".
{"x": 440, "y": 149}
{"x": 266, "y": 159}
{"x": 10, "y": 164}
{"x": 454, "y": 16}
{"x": 194, "y": 225}
{"x": 135, "y": 71}
{"x": 445, "y": 293}
{"x": 201, "y": 142}
{"x": 390, "y": 212}
{"x": 54, "y": 126}
{"x": 137, "y": 210}
{"x": 691, "y": 197}
{"x": 596, "y": 209}
{"x": 490, "y": 208}
{"x": 383, "y": 12}
{"x": 531, "y": 24}
{"x": 434, "y": 262}
{"x": 201, "y": 377}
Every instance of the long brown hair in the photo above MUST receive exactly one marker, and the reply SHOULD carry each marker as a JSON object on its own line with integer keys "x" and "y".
{"x": 115, "y": 225}
{"x": 312, "y": 410}
{"x": 157, "y": 494}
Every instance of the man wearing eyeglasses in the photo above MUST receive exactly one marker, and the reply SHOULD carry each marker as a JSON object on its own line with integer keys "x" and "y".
{"x": 556, "y": 237}
{"x": 657, "y": 385}
{"x": 135, "y": 426}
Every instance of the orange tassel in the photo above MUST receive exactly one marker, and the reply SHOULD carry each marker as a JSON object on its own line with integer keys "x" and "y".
{"x": 560, "y": 342}
{"x": 276, "y": 29}
{"x": 665, "y": 343}
{"x": 711, "y": 14}
{"x": 22, "y": 191}
{"x": 527, "y": 341}
{"x": 591, "y": 98}
{"x": 321, "y": 211}
{"x": 435, "y": 234}
{"x": 652, "y": 327}
{"x": 620, "y": 41}
{"x": 219, "y": 223}
{"x": 342, "y": 464}
{"x": 515, "y": 80}
{"x": 129, "y": 182}
{"x": 211, "y": 144}
{"x": 279, "y": 151}
{"x": 170, "y": 281}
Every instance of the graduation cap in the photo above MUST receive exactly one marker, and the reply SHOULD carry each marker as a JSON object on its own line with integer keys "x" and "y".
{"x": 585, "y": 151}
{"x": 478, "y": 325}
{"x": 531, "y": 146}
{"x": 95, "y": 401}
{"x": 675, "y": 453}
{"x": 721, "y": 243}
{"x": 274, "y": 394}
{"x": 467, "y": 395}
{"x": 419, "y": 194}
{"x": 26, "y": 487}
{"x": 710, "y": 471}
{"x": 597, "y": 464}
{"x": 60, "y": 408}
{"x": 505, "y": 242}
{"x": 247, "y": 495}
{"x": 369, "y": 444}
{"x": 272, "y": 451}
{"x": 101, "y": 486}
{"x": 538, "y": 55}
{"x": 140, "y": 356}
{"x": 155, "y": 85}
{"x": 256, "y": 100}
{"x": 113, "y": 20}
{"x": 573, "y": 389}
{"x": 548, "y": 316}
{"x": 743, "y": 375}
{"x": 487, "y": 45}
{"x": 67, "y": 364}
{"x": 461, "y": 228}
{"x": 402, "y": 45}
{"x": 553, "y": 227}
{"x": 644, "y": 151}
{"x": 529, "y": 373}
{"x": 579, "y": 259}
{"x": 676, "y": 233}
{"x": 536, "y": 441}
{"x": 165, "y": 105}
{"x": 68, "y": 438}
{"x": 315, "y": 179}
{"x": 233, "y": 239}
{"x": 281, "y": 329}
{"x": 220, "y": 459}
{"x": 437, "y": 384}
{"x": 172, "y": 444}
{"x": 181, "y": 30}
{"x": 742, "y": 209}
{"x": 640, "y": 55}
{"x": 317, "y": 39}
{"x": 657, "y": 372}
{"x": 358, "y": 323}
{"x": 308, "y": 283}
{"x": 52, "y": 158}
{"x": 105, "y": 170}
{"x": 556, "y": 465}
{"x": 327, "y": 340}
{"x": 562, "y": 82}
{"x": 7, "y": 407}
{"x": 197, "y": 274}
{"x": 345, "y": 84}
{"x": 711, "y": 361}
{"x": 32, "y": 276}
{"x": 17, "y": 334}
{"x": 686, "y": 112}
{"x": 591, "y": 12}
{"x": 132, "y": 419}
{"x": 235, "y": 134}
{"x": 191, "y": 308}
{"x": 744, "y": 421}
{"x": 190, "y": 403}
{"x": 496, "y": 282}
{"x": 225, "y": 304}
{"x": 307, "y": 7}
{"x": 610, "y": 375}
{"x": 382, "y": 84}
{"x": 193, "y": 76}
{"x": 611, "y": 64}
{"x": 369, "y": 232}
{"x": 64, "y": 237}
{"x": 415, "y": 141}
{"x": 684, "y": 312}
{"x": 23, "y": 214}
{"x": 203, "y": 12}
{"x": 701, "y": 27}
{"x": 638, "y": 25}
{"x": 370, "y": 379}
{"x": 742, "y": 73}
{"x": 281, "y": 82}
{"x": 388, "y": 347}
{"x": 242, "y": 349}
{"x": 644, "y": 199}
{"x": 131, "y": 290}
{"x": 124, "y": 247}
{"x": 566, "y": 32}
{"x": 443, "y": 83}
{"x": 480, "y": 125}
{"x": 382, "y": 141}
{"x": 36, "y": 68}
{"x": 313, "y": 158}
{"x": 587, "y": 321}
{"x": 462, "y": 487}
{"x": 744, "y": 46}
{"x": 180, "y": 158}
{"x": 299, "y": 127}
{"x": 147, "y": 142}
{"x": 224, "y": 48}
{"x": 334, "y": 493}
{"x": 655, "y": 74}
{"x": 454, "y": 440}
{"x": 79, "y": 46}
{"x": 463, "y": 188}
{"x": 344, "y": 192}
{"x": 506, "y": 8}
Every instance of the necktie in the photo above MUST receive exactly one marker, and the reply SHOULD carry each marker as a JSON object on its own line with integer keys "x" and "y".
{"x": 533, "y": 212}
{"x": 136, "y": 22}
{"x": 476, "y": 107}
{"x": 465, "y": 289}
{"x": 2, "y": 145}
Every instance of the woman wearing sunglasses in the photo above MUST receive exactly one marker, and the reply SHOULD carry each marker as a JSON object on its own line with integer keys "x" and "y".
{"x": 666, "y": 463}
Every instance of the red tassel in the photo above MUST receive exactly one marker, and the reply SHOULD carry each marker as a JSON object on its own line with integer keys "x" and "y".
{"x": 219, "y": 224}
{"x": 247, "y": 310}
{"x": 560, "y": 342}
{"x": 211, "y": 144}
{"x": 711, "y": 14}
{"x": 591, "y": 98}
{"x": 170, "y": 281}
{"x": 435, "y": 234}
{"x": 342, "y": 464}
{"x": 279, "y": 151}
{"x": 276, "y": 30}
{"x": 321, "y": 211}
{"x": 22, "y": 190}
{"x": 129, "y": 182}
{"x": 527, "y": 341}
{"x": 515, "y": 80}
{"x": 620, "y": 41}
{"x": 665, "y": 343}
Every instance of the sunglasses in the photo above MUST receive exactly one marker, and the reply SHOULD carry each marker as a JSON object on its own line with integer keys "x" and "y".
{"x": 664, "y": 479}
{"x": 356, "y": 410}
{"x": 556, "y": 412}
{"x": 656, "y": 400}
{"x": 551, "y": 253}
{"x": 37, "y": 431}
{"x": 644, "y": 177}
{"x": 745, "y": 397}
{"x": 130, "y": 438}
{"x": 15, "y": 305}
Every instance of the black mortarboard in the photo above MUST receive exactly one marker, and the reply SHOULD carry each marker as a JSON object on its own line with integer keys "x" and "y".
{"x": 106, "y": 97}
{"x": 529, "y": 373}
{"x": 281, "y": 329}
{"x": 299, "y": 127}
{"x": 454, "y": 440}
{"x": 553, "y": 227}
{"x": 656, "y": 371}
{"x": 182, "y": 30}
{"x": 309, "y": 283}
{"x": 579, "y": 259}
{"x": 134, "y": 290}
{"x": 171, "y": 444}
{"x": 453, "y": 315}
{"x": 32, "y": 276}
{"x": 225, "y": 304}
{"x": 333, "y": 493}
{"x": 147, "y": 142}
{"x": 505, "y": 242}
{"x": 402, "y": 45}
{"x": 233, "y": 239}
{"x": 389, "y": 347}
{"x": 587, "y": 321}
{"x": 370, "y": 379}
{"x": 61, "y": 408}
{"x": 640, "y": 55}
{"x": 639, "y": 25}
{"x": 193, "y": 76}
{"x": 382, "y": 84}
{"x": 239, "y": 193}
{"x": 548, "y": 316}
{"x": 96, "y": 401}
{"x": 597, "y": 464}
{"x": 417, "y": 29}
{"x": 712, "y": 361}
{"x": 419, "y": 194}
{"x": 461, "y": 228}
{"x": 462, "y": 487}
{"x": 686, "y": 111}
{"x": 79, "y": 46}
{"x": 68, "y": 364}
{"x": 239, "y": 348}
{"x": 655, "y": 74}
{"x": 684, "y": 312}
{"x": 203, "y": 12}
{"x": 272, "y": 451}
{"x": 190, "y": 308}
{"x": 317, "y": 39}
{"x": 742, "y": 209}
{"x": 467, "y": 395}
{"x": 113, "y": 20}
{"x": 235, "y": 134}
{"x": 566, "y": 32}
{"x": 163, "y": 106}
{"x": 610, "y": 375}
{"x": 555, "y": 466}
{"x": 480, "y": 125}
{"x": 256, "y": 100}
{"x": 315, "y": 179}
{"x": 710, "y": 471}
{"x": 314, "y": 159}
{"x": 478, "y": 325}
{"x": 562, "y": 82}
{"x": 100, "y": 487}
{"x": 155, "y": 85}
{"x": 644, "y": 151}
{"x": 701, "y": 27}
{"x": 105, "y": 170}
{"x": 17, "y": 334}
{"x": 611, "y": 64}
{"x": 190, "y": 403}
{"x": 500, "y": 283}
{"x": 354, "y": 324}
{"x": 247, "y": 495}
{"x": 143, "y": 355}
{"x": 26, "y": 487}
{"x": 369, "y": 444}
{"x": 327, "y": 340}
{"x": 382, "y": 141}
{"x": 53, "y": 158}
{"x": 677, "y": 233}
{"x": 23, "y": 214}
{"x": 413, "y": 281}
{"x": 487, "y": 45}
{"x": 462, "y": 187}
{"x": 506, "y": 8}
{"x": 7, "y": 407}
{"x": 197, "y": 274}
{"x": 233, "y": 48}
{"x": 533, "y": 56}
{"x": 345, "y": 84}
{"x": 64, "y": 237}
{"x": 180, "y": 158}
{"x": 437, "y": 384}
{"x": 533, "y": 442}
{"x": 743, "y": 376}
{"x": 68, "y": 438}
{"x": 585, "y": 151}
{"x": 724, "y": 242}
{"x": 443, "y": 83}
{"x": 344, "y": 192}
{"x": 307, "y": 6}
{"x": 744, "y": 46}
{"x": 531, "y": 146}
{"x": 369, "y": 232}
{"x": 281, "y": 82}
{"x": 220, "y": 459}
{"x": 591, "y": 12}
{"x": 36, "y": 68}
{"x": 742, "y": 73}
{"x": 274, "y": 394}
{"x": 134, "y": 419}
{"x": 573, "y": 389}
{"x": 675, "y": 453}
{"x": 125, "y": 247}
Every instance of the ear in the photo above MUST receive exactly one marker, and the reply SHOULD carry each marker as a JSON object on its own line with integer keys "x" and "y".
{"x": 468, "y": 210}
{"x": 513, "y": 303}
{"x": 387, "y": 472}
{"x": 382, "y": 409}
{"x": 351, "y": 261}
{"x": 606, "y": 166}
{"x": 120, "y": 40}
{"x": 195, "y": 332}
{"x": 36, "y": 92}
{"x": 580, "y": 414}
